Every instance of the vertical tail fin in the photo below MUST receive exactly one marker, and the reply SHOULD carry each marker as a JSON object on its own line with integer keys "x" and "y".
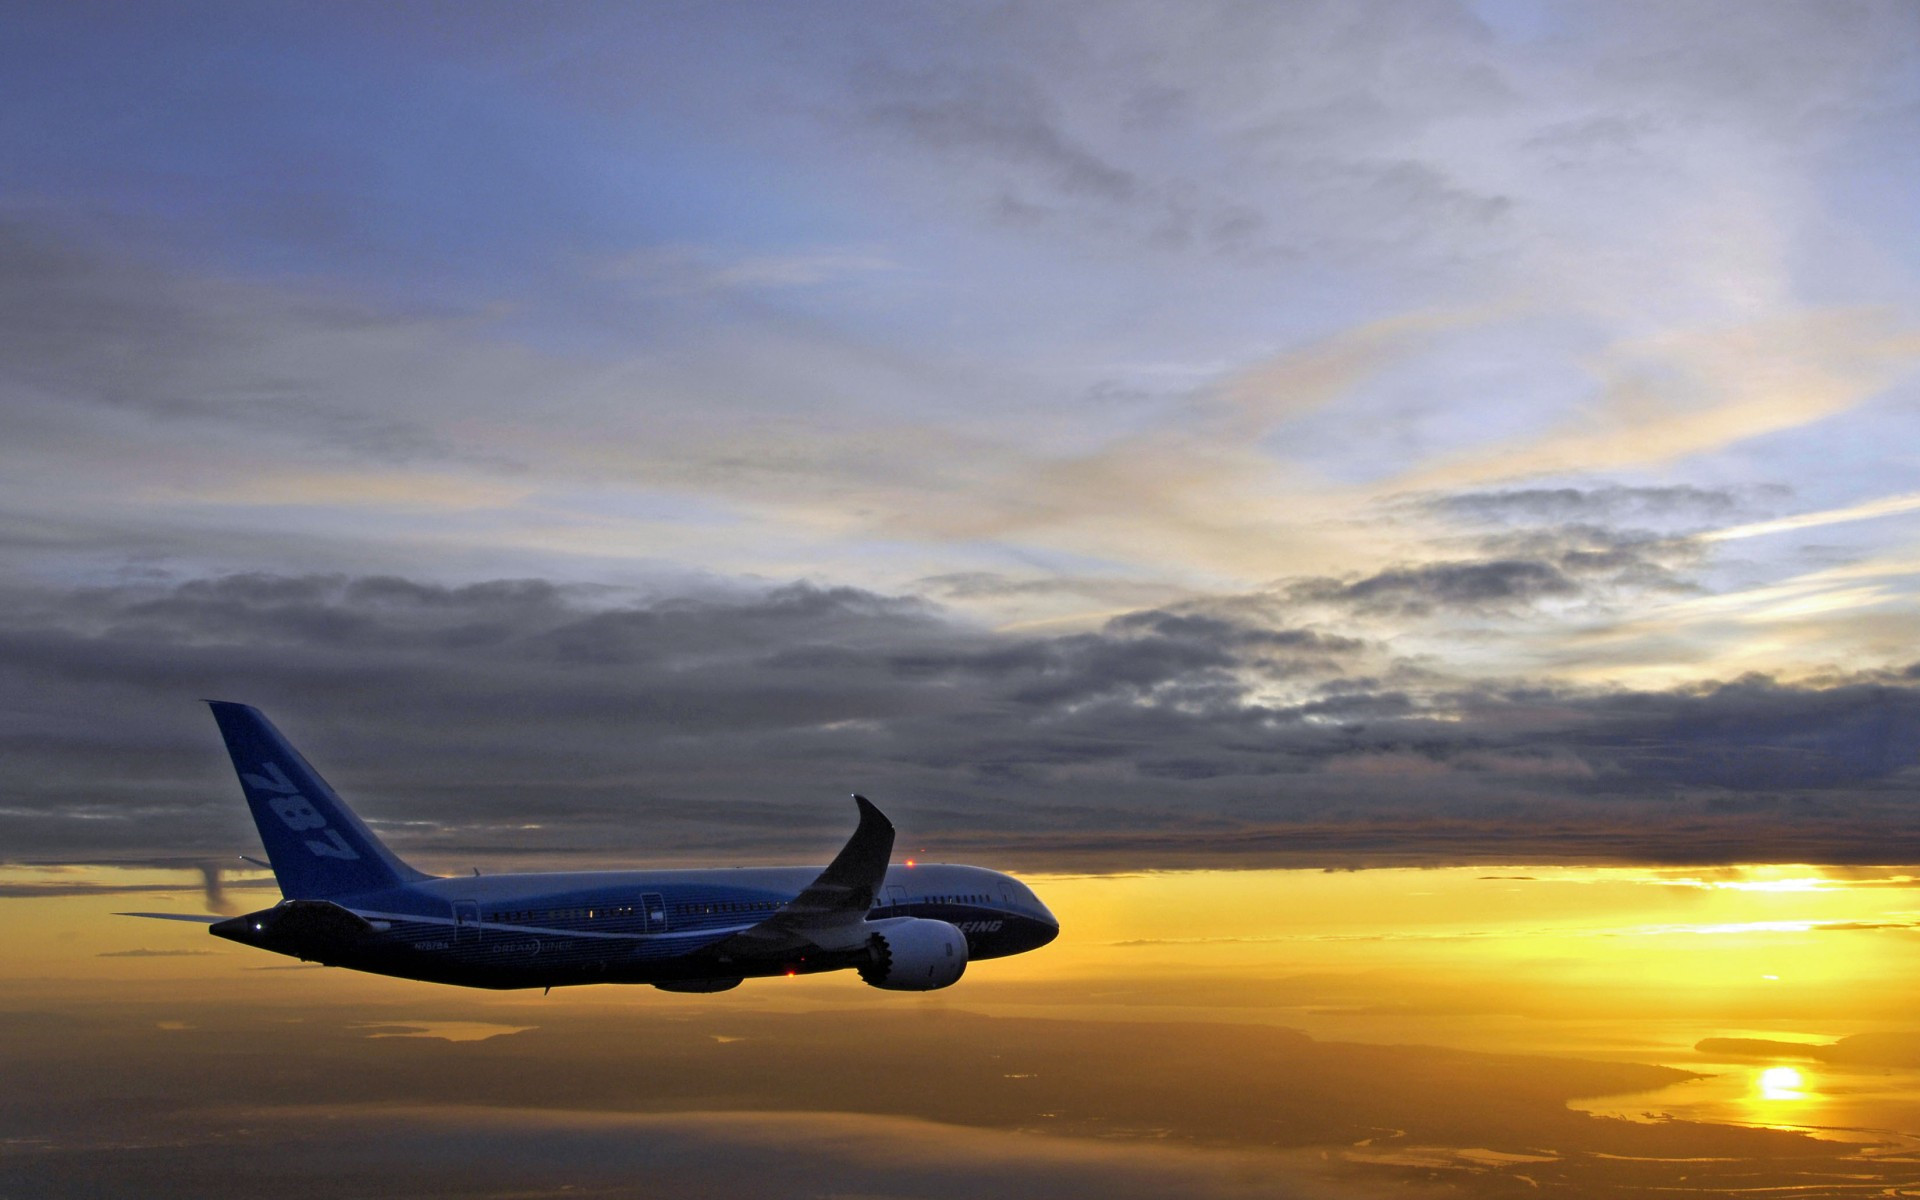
{"x": 318, "y": 848}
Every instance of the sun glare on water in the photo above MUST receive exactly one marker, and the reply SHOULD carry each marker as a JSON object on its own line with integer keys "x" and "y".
{"x": 1781, "y": 1083}
{"x": 1783, "y": 1097}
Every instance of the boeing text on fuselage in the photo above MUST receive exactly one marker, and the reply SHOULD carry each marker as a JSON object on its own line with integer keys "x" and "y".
{"x": 351, "y": 902}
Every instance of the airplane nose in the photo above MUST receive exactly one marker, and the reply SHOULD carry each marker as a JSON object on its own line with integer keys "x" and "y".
{"x": 1036, "y": 922}
{"x": 1047, "y": 925}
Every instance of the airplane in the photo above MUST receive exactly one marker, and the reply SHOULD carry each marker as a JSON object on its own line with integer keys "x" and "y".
{"x": 350, "y": 902}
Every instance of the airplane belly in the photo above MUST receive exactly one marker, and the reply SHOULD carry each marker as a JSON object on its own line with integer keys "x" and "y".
{"x": 512, "y": 958}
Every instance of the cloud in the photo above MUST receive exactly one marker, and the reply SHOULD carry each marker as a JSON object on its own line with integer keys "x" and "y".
{"x": 271, "y": 435}
{"x": 1886, "y": 506}
{"x": 1756, "y": 734}
{"x": 1681, "y": 394}
{"x": 1514, "y": 573}
{"x": 523, "y": 718}
{"x": 995, "y": 113}
{"x": 1607, "y": 503}
{"x": 696, "y": 269}
{"x": 1070, "y": 120}
{"x": 1197, "y": 494}
{"x": 86, "y": 325}
{"x": 1126, "y": 594}
{"x": 268, "y": 439}
{"x": 1350, "y": 415}
{"x": 1418, "y": 590}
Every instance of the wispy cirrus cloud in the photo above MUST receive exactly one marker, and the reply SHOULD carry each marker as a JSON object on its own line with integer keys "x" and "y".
{"x": 1680, "y": 395}
{"x": 696, "y": 269}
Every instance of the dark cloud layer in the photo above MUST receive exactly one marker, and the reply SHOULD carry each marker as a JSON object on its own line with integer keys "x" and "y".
{"x": 522, "y": 717}
{"x": 1514, "y": 570}
{"x": 1610, "y": 503}
{"x": 1421, "y": 589}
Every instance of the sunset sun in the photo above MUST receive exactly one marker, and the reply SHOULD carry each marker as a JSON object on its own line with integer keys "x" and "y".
{"x": 1781, "y": 1083}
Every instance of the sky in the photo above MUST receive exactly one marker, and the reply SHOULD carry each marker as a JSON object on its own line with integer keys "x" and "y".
{"x": 1120, "y": 435}
{"x": 1317, "y": 446}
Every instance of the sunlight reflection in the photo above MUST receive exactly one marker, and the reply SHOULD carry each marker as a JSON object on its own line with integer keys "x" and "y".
{"x": 1781, "y": 1083}
{"x": 1782, "y": 1097}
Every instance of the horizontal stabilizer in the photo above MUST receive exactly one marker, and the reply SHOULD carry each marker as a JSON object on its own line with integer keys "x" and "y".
{"x": 204, "y": 920}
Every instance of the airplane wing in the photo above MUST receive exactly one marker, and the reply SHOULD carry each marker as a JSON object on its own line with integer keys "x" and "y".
{"x": 831, "y": 913}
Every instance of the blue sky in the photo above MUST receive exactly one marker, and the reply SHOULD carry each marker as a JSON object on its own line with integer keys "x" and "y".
{"x": 1558, "y": 350}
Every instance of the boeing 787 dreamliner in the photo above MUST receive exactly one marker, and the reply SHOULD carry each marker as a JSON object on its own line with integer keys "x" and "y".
{"x": 350, "y": 902}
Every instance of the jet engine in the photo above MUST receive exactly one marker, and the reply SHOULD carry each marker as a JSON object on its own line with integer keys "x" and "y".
{"x": 908, "y": 954}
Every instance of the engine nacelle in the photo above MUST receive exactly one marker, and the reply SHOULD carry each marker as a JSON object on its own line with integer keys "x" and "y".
{"x": 909, "y": 954}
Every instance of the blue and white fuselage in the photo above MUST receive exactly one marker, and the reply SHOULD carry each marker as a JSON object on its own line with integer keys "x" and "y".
{"x": 667, "y": 928}
{"x": 350, "y": 902}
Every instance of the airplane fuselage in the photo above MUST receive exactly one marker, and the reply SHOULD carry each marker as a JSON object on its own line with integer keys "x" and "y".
{"x": 658, "y": 927}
